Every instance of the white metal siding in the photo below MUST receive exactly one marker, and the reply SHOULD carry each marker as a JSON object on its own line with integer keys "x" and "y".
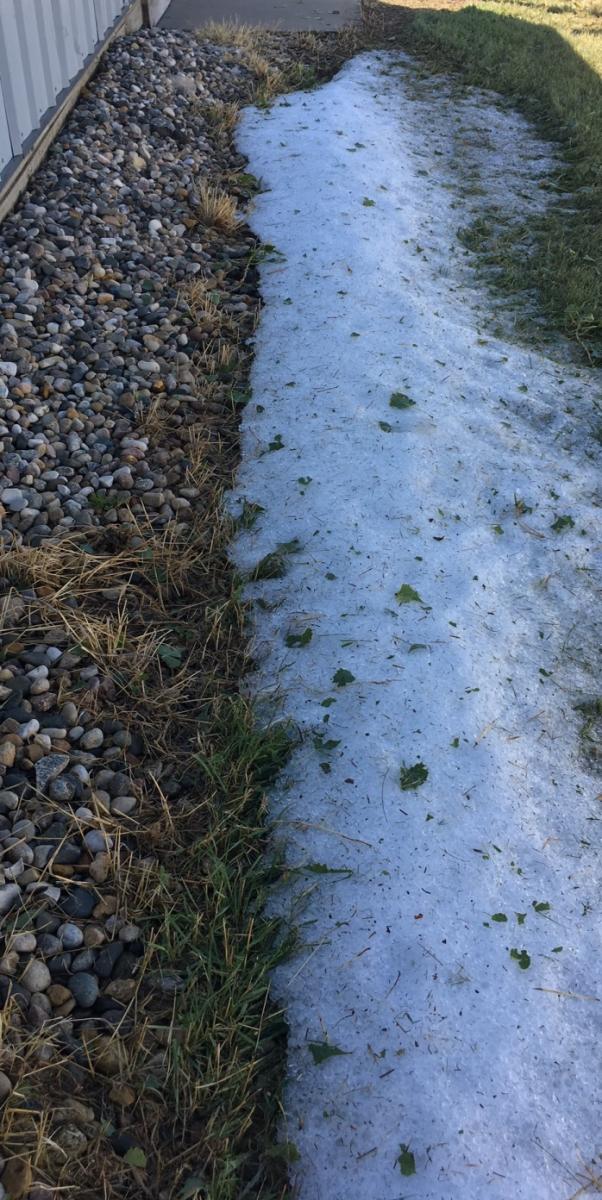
{"x": 6, "y": 150}
{"x": 44, "y": 44}
{"x": 106, "y": 13}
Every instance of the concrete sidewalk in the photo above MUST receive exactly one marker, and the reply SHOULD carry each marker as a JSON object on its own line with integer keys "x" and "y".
{"x": 272, "y": 14}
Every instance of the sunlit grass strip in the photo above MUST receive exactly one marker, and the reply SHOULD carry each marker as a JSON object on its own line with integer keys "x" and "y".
{"x": 550, "y": 63}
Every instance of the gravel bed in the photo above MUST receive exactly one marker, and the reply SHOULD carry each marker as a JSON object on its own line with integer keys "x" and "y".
{"x": 108, "y": 360}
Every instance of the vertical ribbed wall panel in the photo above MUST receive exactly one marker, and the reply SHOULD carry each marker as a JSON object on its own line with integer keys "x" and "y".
{"x": 44, "y": 44}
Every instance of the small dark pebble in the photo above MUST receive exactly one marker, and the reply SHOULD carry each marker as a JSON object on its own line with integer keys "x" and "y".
{"x": 107, "y": 959}
{"x": 80, "y": 902}
{"x": 84, "y": 989}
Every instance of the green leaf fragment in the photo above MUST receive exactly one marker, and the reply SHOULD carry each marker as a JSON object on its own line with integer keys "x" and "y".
{"x": 522, "y": 958}
{"x": 386, "y": 428}
{"x": 400, "y": 400}
{"x": 321, "y": 1051}
{"x": 408, "y": 595}
{"x": 411, "y": 778}
{"x": 318, "y": 868}
{"x": 299, "y": 639}
{"x": 367, "y": 202}
{"x": 342, "y": 677}
{"x": 135, "y": 1157}
{"x": 563, "y": 522}
{"x": 499, "y": 917}
{"x": 541, "y": 906}
{"x": 326, "y": 744}
{"x": 249, "y": 514}
{"x": 170, "y": 655}
{"x": 406, "y": 1160}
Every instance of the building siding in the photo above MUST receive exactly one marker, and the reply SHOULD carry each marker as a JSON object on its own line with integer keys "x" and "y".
{"x": 44, "y": 44}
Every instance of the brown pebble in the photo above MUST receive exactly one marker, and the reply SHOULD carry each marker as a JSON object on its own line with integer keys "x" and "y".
{"x": 29, "y": 875}
{"x": 35, "y": 753}
{"x": 122, "y": 989}
{"x": 44, "y": 702}
{"x": 63, "y": 1010}
{"x": 14, "y": 737}
{"x": 16, "y": 1178}
{"x": 65, "y": 870}
{"x": 94, "y": 935}
{"x": 106, "y": 907}
{"x": 57, "y": 994}
{"x": 100, "y": 867}
{"x": 123, "y": 1095}
{"x": 107, "y": 1054}
{"x": 74, "y": 1110}
{"x": 71, "y": 1142}
{"x": 7, "y": 756}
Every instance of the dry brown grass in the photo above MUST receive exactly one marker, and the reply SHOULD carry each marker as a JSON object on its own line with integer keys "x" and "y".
{"x": 188, "y": 873}
{"x": 217, "y": 209}
{"x": 154, "y": 419}
{"x": 199, "y": 298}
{"x": 221, "y": 116}
{"x": 232, "y": 33}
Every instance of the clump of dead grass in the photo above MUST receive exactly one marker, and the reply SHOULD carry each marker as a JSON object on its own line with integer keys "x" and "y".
{"x": 232, "y": 33}
{"x": 221, "y": 116}
{"x": 217, "y": 209}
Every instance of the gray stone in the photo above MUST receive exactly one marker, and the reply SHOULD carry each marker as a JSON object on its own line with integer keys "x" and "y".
{"x": 48, "y": 768}
{"x": 92, "y": 739}
{"x": 84, "y": 989}
{"x": 23, "y": 943}
{"x": 84, "y": 961}
{"x": 97, "y": 841}
{"x": 48, "y": 944}
{"x": 8, "y": 801}
{"x": 71, "y": 936}
{"x": 10, "y": 894}
{"x": 36, "y": 976}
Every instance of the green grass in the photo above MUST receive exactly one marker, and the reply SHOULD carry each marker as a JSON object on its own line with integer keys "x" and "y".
{"x": 227, "y": 1052}
{"x": 547, "y": 58}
